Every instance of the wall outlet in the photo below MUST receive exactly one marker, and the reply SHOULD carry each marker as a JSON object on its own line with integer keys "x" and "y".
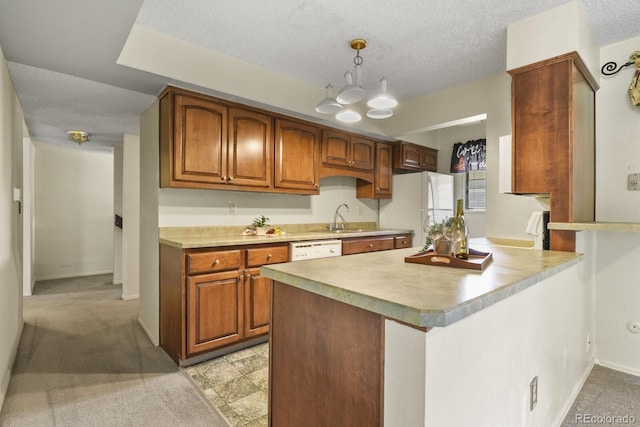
{"x": 232, "y": 208}
{"x": 533, "y": 393}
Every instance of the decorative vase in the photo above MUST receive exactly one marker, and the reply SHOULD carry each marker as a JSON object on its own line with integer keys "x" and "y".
{"x": 261, "y": 231}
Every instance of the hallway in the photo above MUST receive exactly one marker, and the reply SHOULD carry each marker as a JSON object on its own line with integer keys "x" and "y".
{"x": 84, "y": 360}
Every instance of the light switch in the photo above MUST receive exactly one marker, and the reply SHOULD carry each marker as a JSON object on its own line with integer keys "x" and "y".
{"x": 633, "y": 182}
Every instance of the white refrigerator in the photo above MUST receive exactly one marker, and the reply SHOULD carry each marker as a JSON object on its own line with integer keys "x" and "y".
{"x": 415, "y": 197}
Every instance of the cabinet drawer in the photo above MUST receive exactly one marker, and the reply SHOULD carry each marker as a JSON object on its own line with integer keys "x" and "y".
{"x": 356, "y": 246}
{"x": 403, "y": 241}
{"x": 261, "y": 256}
{"x": 207, "y": 262}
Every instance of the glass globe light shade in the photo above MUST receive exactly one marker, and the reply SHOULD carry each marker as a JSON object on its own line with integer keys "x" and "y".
{"x": 351, "y": 93}
{"x": 379, "y": 113}
{"x": 329, "y": 105}
{"x": 382, "y": 99}
{"x": 348, "y": 116}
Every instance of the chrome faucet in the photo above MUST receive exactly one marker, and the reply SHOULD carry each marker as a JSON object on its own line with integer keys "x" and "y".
{"x": 337, "y": 215}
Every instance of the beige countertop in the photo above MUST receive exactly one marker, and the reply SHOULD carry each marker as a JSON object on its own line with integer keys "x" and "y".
{"x": 620, "y": 227}
{"x": 422, "y": 295}
{"x": 204, "y": 237}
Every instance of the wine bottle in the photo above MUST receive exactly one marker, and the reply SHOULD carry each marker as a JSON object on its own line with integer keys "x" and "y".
{"x": 461, "y": 224}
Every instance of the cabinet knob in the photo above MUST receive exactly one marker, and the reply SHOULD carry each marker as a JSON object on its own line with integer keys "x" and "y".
{"x": 268, "y": 256}
{"x": 316, "y": 185}
{"x": 216, "y": 262}
{"x": 241, "y": 276}
{"x": 223, "y": 178}
{"x": 377, "y": 188}
{"x": 371, "y": 245}
{"x": 248, "y": 276}
{"x": 230, "y": 178}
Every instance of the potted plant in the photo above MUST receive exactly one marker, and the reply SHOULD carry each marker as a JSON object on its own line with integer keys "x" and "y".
{"x": 261, "y": 224}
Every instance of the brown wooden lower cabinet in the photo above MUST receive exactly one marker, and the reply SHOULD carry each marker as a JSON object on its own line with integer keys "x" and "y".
{"x": 367, "y": 244}
{"x": 257, "y": 300}
{"x": 325, "y": 362}
{"x": 212, "y": 298}
{"x": 214, "y": 311}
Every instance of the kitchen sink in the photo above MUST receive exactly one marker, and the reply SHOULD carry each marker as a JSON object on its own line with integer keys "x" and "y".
{"x": 359, "y": 230}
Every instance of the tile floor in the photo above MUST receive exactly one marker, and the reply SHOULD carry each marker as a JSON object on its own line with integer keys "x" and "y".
{"x": 236, "y": 384}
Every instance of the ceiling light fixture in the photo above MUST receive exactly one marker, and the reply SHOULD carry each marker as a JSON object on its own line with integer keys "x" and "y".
{"x": 78, "y": 136}
{"x": 380, "y": 103}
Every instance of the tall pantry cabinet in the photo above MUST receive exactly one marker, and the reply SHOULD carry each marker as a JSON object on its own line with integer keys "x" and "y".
{"x": 553, "y": 127}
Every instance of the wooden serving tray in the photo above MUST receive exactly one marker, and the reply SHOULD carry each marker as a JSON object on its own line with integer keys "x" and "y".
{"x": 477, "y": 260}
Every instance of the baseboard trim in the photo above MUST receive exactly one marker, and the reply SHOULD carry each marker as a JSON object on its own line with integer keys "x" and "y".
{"x": 618, "y": 367}
{"x": 576, "y": 391}
{"x": 130, "y": 297}
{"x": 153, "y": 340}
{"x": 70, "y": 276}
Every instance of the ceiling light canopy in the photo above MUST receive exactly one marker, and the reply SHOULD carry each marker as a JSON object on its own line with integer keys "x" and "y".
{"x": 380, "y": 103}
{"x": 78, "y": 136}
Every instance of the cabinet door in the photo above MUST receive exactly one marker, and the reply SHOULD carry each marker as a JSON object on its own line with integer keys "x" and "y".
{"x": 362, "y": 153}
{"x": 297, "y": 156}
{"x": 335, "y": 148}
{"x": 429, "y": 159}
{"x": 214, "y": 310}
{"x": 250, "y": 148}
{"x": 382, "y": 177}
{"x": 411, "y": 156}
{"x": 200, "y": 136}
{"x": 257, "y": 290}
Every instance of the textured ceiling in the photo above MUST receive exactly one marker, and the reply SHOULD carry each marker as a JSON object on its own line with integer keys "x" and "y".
{"x": 62, "y": 55}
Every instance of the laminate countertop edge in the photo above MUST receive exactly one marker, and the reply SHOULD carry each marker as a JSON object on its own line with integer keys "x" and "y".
{"x": 208, "y": 241}
{"x": 421, "y": 295}
{"x": 620, "y": 227}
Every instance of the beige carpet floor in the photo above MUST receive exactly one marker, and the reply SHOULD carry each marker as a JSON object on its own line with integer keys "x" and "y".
{"x": 85, "y": 361}
{"x": 608, "y": 397}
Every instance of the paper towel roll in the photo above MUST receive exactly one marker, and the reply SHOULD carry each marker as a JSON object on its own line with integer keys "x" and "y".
{"x": 534, "y": 220}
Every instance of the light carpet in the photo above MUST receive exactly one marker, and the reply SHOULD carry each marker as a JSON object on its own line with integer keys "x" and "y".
{"x": 84, "y": 360}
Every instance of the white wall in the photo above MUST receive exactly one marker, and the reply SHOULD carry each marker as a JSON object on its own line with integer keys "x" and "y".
{"x": 117, "y": 210}
{"x": 131, "y": 217}
{"x": 506, "y": 215}
{"x": 149, "y": 182}
{"x": 74, "y": 212}
{"x": 488, "y": 359}
{"x": 617, "y": 155}
{"x": 11, "y": 125}
{"x": 28, "y": 222}
{"x": 179, "y": 207}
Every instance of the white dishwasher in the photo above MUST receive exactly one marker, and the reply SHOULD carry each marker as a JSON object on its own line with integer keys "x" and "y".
{"x": 300, "y": 251}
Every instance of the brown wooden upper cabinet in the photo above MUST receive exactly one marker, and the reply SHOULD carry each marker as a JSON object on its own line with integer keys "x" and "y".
{"x": 205, "y": 144}
{"x": 212, "y": 143}
{"x": 296, "y": 159}
{"x": 346, "y": 150}
{"x": 408, "y": 157}
{"x": 553, "y": 125}
{"x": 380, "y": 188}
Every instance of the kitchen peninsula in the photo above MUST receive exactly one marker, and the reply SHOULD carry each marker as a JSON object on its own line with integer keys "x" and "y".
{"x": 368, "y": 339}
